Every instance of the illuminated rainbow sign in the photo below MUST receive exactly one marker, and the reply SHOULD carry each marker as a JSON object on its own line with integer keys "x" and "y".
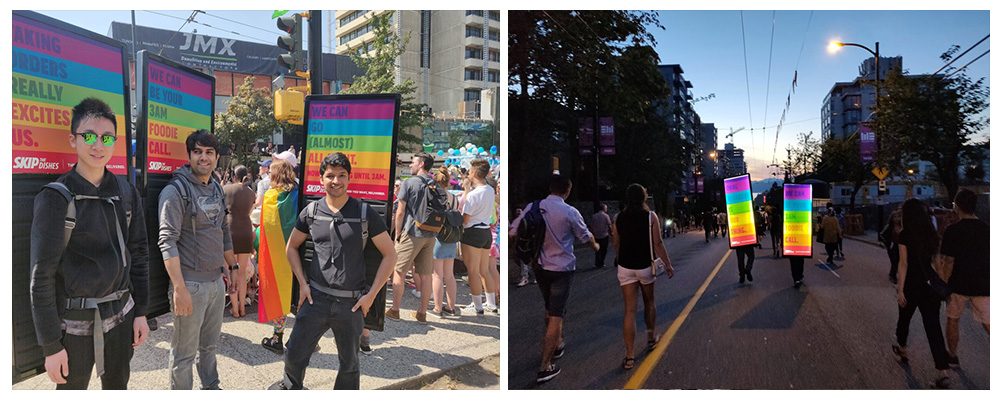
{"x": 798, "y": 223}
{"x": 739, "y": 210}
{"x": 178, "y": 100}
{"x": 363, "y": 127}
{"x": 53, "y": 70}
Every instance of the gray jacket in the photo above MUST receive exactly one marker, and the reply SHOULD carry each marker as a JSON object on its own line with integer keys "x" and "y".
{"x": 199, "y": 247}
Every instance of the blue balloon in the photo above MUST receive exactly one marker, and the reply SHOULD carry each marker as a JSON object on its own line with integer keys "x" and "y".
{"x": 482, "y": 150}
{"x": 440, "y": 152}
{"x": 493, "y": 150}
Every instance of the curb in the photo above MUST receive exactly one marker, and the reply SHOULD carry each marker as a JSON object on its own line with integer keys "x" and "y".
{"x": 419, "y": 381}
{"x": 858, "y": 239}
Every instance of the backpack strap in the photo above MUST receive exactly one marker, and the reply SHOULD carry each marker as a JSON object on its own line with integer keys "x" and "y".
{"x": 70, "y": 208}
{"x": 126, "y": 196}
{"x": 364, "y": 223}
{"x": 183, "y": 188}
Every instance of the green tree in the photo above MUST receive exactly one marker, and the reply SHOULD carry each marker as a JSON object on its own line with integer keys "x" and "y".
{"x": 841, "y": 162}
{"x": 931, "y": 118}
{"x": 248, "y": 118}
{"x": 804, "y": 156}
{"x": 379, "y": 64}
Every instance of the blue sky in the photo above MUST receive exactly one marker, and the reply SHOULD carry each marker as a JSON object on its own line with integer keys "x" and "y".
{"x": 709, "y": 47}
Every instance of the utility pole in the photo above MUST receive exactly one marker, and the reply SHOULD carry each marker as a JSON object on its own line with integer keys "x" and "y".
{"x": 316, "y": 51}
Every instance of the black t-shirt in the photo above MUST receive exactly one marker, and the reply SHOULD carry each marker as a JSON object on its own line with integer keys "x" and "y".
{"x": 338, "y": 261}
{"x": 633, "y": 238}
{"x": 968, "y": 241}
{"x": 918, "y": 261}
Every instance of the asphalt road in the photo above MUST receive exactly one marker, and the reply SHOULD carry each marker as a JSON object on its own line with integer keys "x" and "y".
{"x": 835, "y": 332}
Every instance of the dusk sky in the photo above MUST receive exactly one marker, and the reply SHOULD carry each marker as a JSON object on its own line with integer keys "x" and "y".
{"x": 709, "y": 46}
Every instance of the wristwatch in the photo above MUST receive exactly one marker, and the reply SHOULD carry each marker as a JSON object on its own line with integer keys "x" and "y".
{"x": 234, "y": 267}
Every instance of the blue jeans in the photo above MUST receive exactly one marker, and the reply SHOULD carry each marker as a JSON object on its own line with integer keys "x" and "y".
{"x": 197, "y": 334}
{"x": 311, "y": 322}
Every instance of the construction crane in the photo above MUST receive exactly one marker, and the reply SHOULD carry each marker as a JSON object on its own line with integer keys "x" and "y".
{"x": 733, "y": 132}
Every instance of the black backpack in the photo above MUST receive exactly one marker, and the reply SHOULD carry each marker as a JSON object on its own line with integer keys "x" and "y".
{"x": 453, "y": 228}
{"x": 430, "y": 216}
{"x": 530, "y": 234}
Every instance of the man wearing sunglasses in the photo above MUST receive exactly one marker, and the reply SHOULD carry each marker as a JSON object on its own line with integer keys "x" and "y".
{"x": 89, "y": 293}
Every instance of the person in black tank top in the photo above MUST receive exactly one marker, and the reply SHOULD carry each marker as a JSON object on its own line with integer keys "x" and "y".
{"x": 634, "y": 234}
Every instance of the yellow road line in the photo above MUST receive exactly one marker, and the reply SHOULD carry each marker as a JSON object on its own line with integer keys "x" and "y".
{"x": 642, "y": 373}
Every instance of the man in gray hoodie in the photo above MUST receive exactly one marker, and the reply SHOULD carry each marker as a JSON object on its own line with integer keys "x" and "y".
{"x": 197, "y": 248}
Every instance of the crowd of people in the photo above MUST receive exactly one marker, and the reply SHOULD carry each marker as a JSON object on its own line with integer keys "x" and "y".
{"x": 229, "y": 241}
{"x": 926, "y": 268}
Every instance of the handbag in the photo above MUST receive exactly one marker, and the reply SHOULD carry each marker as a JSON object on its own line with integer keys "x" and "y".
{"x": 938, "y": 285}
{"x": 659, "y": 266}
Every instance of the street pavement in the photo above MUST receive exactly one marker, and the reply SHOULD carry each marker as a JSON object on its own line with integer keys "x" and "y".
{"x": 403, "y": 354}
{"x": 835, "y": 332}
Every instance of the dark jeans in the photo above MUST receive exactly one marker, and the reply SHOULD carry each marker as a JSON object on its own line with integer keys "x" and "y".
{"x": 741, "y": 253}
{"x": 555, "y": 289}
{"x": 930, "y": 313}
{"x": 602, "y": 253}
{"x": 798, "y": 264}
{"x": 311, "y": 322}
{"x": 117, "y": 356}
{"x": 830, "y": 249}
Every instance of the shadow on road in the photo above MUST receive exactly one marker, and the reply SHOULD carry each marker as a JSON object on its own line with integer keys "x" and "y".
{"x": 776, "y": 311}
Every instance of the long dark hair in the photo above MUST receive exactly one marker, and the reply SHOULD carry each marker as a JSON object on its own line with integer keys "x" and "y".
{"x": 917, "y": 225}
{"x": 635, "y": 200}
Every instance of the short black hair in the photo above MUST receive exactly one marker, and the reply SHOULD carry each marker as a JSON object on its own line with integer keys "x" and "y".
{"x": 560, "y": 185}
{"x": 337, "y": 159}
{"x": 966, "y": 201}
{"x": 201, "y": 137}
{"x": 427, "y": 159}
{"x": 92, "y": 107}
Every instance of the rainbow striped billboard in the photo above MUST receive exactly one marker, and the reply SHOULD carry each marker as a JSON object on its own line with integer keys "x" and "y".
{"x": 798, "y": 221}
{"x": 178, "y": 100}
{"x": 362, "y": 127}
{"x": 739, "y": 209}
{"x": 53, "y": 70}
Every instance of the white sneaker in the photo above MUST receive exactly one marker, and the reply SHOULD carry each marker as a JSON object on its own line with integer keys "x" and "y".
{"x": 523, "y": 282}
{"x": 415, "y": 293}
{"x": 495, "y": 310}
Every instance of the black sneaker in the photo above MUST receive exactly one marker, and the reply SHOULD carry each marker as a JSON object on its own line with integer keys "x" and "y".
{"x": 274, "y": 344}
{"x": 749, "y": 276}
{"x": 953, "y": 361}
{"x": 366, "y": 347}
{"x": 279, "y": 385}
{"x": 743, "y": 278}
{"x": 943, "y": 382}
{"x": 798, "y": 284}
{"x": 559, "y": 352}
{"x": 548, "y": 374}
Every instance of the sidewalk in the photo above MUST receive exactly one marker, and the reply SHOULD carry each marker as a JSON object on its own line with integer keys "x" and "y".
{"x": 404, "y": 354}
{"x": 870, "y": 237}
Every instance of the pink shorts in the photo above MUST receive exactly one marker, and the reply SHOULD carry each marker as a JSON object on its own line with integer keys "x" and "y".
{"x": 980, "y": 307}
{"x": 643, "y": 276}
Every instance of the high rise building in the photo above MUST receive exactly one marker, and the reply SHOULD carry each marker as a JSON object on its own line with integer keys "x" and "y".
{"x": 452, "y": 56}
{"x": 848, "y": 104}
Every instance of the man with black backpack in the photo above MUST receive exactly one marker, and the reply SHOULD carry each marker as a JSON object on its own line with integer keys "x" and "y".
{"x": 418, "y": 220}
{"x": 89, "y": 261}
{"x": 197, "y": 248}
{"x": 545, "y": 238}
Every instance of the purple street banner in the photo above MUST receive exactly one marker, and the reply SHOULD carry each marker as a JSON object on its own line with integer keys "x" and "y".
{"x": 798, "y": 223}
{"x": 868, "y": 144}
{"x": 53, "y": 70}
{"x": 607, "y": 132}
{"x": 177, "y": 100}
{"x": 701, "y": 184}
{"x": 364, "y": 129}
{"x": 739, "y": 211}
{"x": 586, "y": 136}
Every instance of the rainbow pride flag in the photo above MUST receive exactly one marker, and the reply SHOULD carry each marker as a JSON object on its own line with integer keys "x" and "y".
{"x": 277, "y": 219}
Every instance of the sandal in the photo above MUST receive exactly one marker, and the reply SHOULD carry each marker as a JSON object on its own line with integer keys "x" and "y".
{"x": 901, "y": 352}
{"x": 628, "y": 363}
{"x": 650, "y": 345}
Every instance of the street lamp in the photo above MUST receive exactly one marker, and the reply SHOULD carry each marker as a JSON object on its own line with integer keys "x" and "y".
{"x": 834, "y": 46}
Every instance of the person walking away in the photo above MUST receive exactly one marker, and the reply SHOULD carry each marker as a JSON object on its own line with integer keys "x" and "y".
{"x": 444, "y": 259}
{"x": 840, "y": 241}
{"x": 277, "y": 220}
{"x": 831, "y": 234}
{"x": 555, "y": 265}
{"x": 414, "y": 246}
{"x": 333, "y": 294}
{"x": 777, "y": 232}
{"x": 636, "y": 240}
{"x": 90, "y": 283}
{"x": 918, "y": 246}
{"x": 600, "y": 225}
{"x": 890, "y": 238}
{"x": 965, "y": 265}
{"x": 197, "y": 246}
{"x": 706, "y": 221}
{"x": 477, "y": 239}
{"x": 239, "y": 201}
{"x": 744, "y": 261}
{"x": 723, "y": 222}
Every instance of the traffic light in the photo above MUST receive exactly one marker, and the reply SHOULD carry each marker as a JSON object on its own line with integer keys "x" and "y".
{"x": 292, "y": 42}
{"x": 288, "y": 105}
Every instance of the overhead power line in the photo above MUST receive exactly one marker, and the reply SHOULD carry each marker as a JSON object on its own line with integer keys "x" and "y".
{"x": 960, "y": 55}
